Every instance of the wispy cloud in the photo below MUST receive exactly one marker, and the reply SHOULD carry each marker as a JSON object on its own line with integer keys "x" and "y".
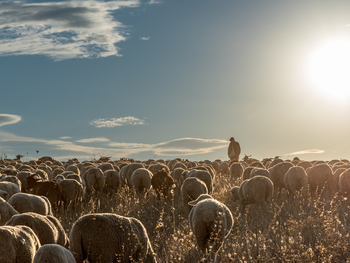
{"x": 6, "y": 119}
{"x": 90, "y": 140}
{"x": 154, "y": 2}
{"x": 113, "y": 122}
{"x": 61, "y": 30}
{"x": 67, "y": 149}
{"x": 306, "y": 152}
{"x": 145, "y": 38}
{"x": 65, "y": 137}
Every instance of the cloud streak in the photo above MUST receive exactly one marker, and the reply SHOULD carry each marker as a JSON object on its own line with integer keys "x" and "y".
{"x": 61, "y": 30}
{"x": 114, "y": 122}
{"x": 91, "y": 140}
{"x": 310, "y": 151}
{"x": 6, "y": 119}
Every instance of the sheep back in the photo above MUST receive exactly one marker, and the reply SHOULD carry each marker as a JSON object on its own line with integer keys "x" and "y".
{"x": 53, "y": 253}
{"x": 17, "y": 244}
{"x": 23, "y": 203}
{"x": 108, "y": 237}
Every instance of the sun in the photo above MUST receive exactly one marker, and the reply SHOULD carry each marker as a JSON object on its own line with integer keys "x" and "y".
{"x": 329, "y": 68}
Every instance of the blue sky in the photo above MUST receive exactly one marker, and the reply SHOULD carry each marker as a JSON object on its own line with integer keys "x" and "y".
{"x": 166, "y": 79}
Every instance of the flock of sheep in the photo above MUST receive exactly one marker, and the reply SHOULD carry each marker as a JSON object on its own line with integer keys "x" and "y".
{"x": 31, "y": 192}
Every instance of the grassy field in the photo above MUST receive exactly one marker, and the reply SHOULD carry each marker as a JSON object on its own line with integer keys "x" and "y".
{"x": 302, "y": 229}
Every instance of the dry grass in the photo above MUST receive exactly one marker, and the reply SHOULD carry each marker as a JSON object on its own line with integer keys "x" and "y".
{"x": 302, "y": 229}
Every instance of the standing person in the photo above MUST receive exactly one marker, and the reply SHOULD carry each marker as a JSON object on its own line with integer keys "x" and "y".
{"x": 234, "y": 150}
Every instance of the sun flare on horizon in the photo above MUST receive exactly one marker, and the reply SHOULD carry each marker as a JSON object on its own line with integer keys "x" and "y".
{"x": 328, "y": 68}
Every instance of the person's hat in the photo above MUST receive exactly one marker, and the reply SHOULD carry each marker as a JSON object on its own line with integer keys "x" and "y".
{"x": 232, "y": 139}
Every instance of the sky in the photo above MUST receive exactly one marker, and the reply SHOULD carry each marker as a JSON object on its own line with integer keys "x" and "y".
{"x": 162, "y": 79}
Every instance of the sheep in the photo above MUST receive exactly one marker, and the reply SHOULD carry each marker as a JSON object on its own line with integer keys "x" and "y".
{"x": 106, "y": 166}
{"x": 344, "y": 183}
{"x": 42, "y": 174}
{"x": 72, "y": 191}
{"x": 275, "y": 161}
{"x": 258, "y": 189}
{"x": 257, "y": 164}
{"x": 56, "y": 172}
{"x": 171, "y": 163}
{"x": 141, "y": 181}
{"x": 22, "y": 177}
{"x": 246, "y": 173}
{"x": 191, "y": 189}
{"x": 161, "y": 183}
{"x": 62, "y": 239}
{"x": 23, "y": 203}
{"x": 154, "y": 168}
{"x": 204, "y": 176}
{"x": 336, "y": 176}
{"x": 236, "y": 170}
{"x": 42, "y": 226}
{"x": 53, "y": 253}
{"x": 261, "y": 172}
{"x": 73, "y": 169}
{"x": 112, "y": 181}
{"x": 49, "y": 189}
{"x": 6, "y": 211}
{"x": 59, "y": 178}
{"x": 4, "y": 195}
{"x": 12, "y": 179}
{"x": 295, "y": 179}
{"x": 319, "y": 176}
{"x": 305, "y": 164}
{"x": 75, "y": 177}
{"x": 126, "y": 172}
{"x": 10, "y": 188}
{"x": 17, "y": 244}
{"x": 223, "y": 168}
{"x": 211, "y": 222}
{"x": 105, "y": 237}
{"x": 94, "y": 180}
{"x": 179, "y": 165}
{"x": 277, "y": 173}
{"x": 176, "y": 174}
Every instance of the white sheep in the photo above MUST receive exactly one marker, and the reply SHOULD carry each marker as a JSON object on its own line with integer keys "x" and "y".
{"x": 12, "y": 179}
{"x": 236, "y": 170}
{"x": 277, "y": 173}
{"x": 45, "y": 230}
{"x": 6, "y": 211}
{"x": 320, "y": 176}
{"x": 126, "y": 172}
{"x": 10, "y": 188}
{"x": 53, "y": 253}
{"x": 22, "y": 177}
{"x": 94, "y": 180}
{"x": 141, "y": 181}
{"x": 260, "y": 172}
{"x": 104, "y": 237}
{"x": 295, "y": 179}
{"x": 72, "y": 191}
{"x": 258, "y": 189}
{"x": 204, "y": 176}
{"x": 211, "y": 222}
{"x": 176, "y": 174}
{"x": 344, "y": 183}
{"x": 191, "y": 189}
{"x": 17, "y": 244}
{"x": 75, "y": 177}
{"x": 23, "y": 203}
{"x": 112, "y": 181}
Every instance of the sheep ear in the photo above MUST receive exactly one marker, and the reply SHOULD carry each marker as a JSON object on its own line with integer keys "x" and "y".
{"x": 193, "y": 203}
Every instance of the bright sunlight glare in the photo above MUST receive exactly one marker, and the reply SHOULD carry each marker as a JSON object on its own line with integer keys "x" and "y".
{"x": 329, "y": 69}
